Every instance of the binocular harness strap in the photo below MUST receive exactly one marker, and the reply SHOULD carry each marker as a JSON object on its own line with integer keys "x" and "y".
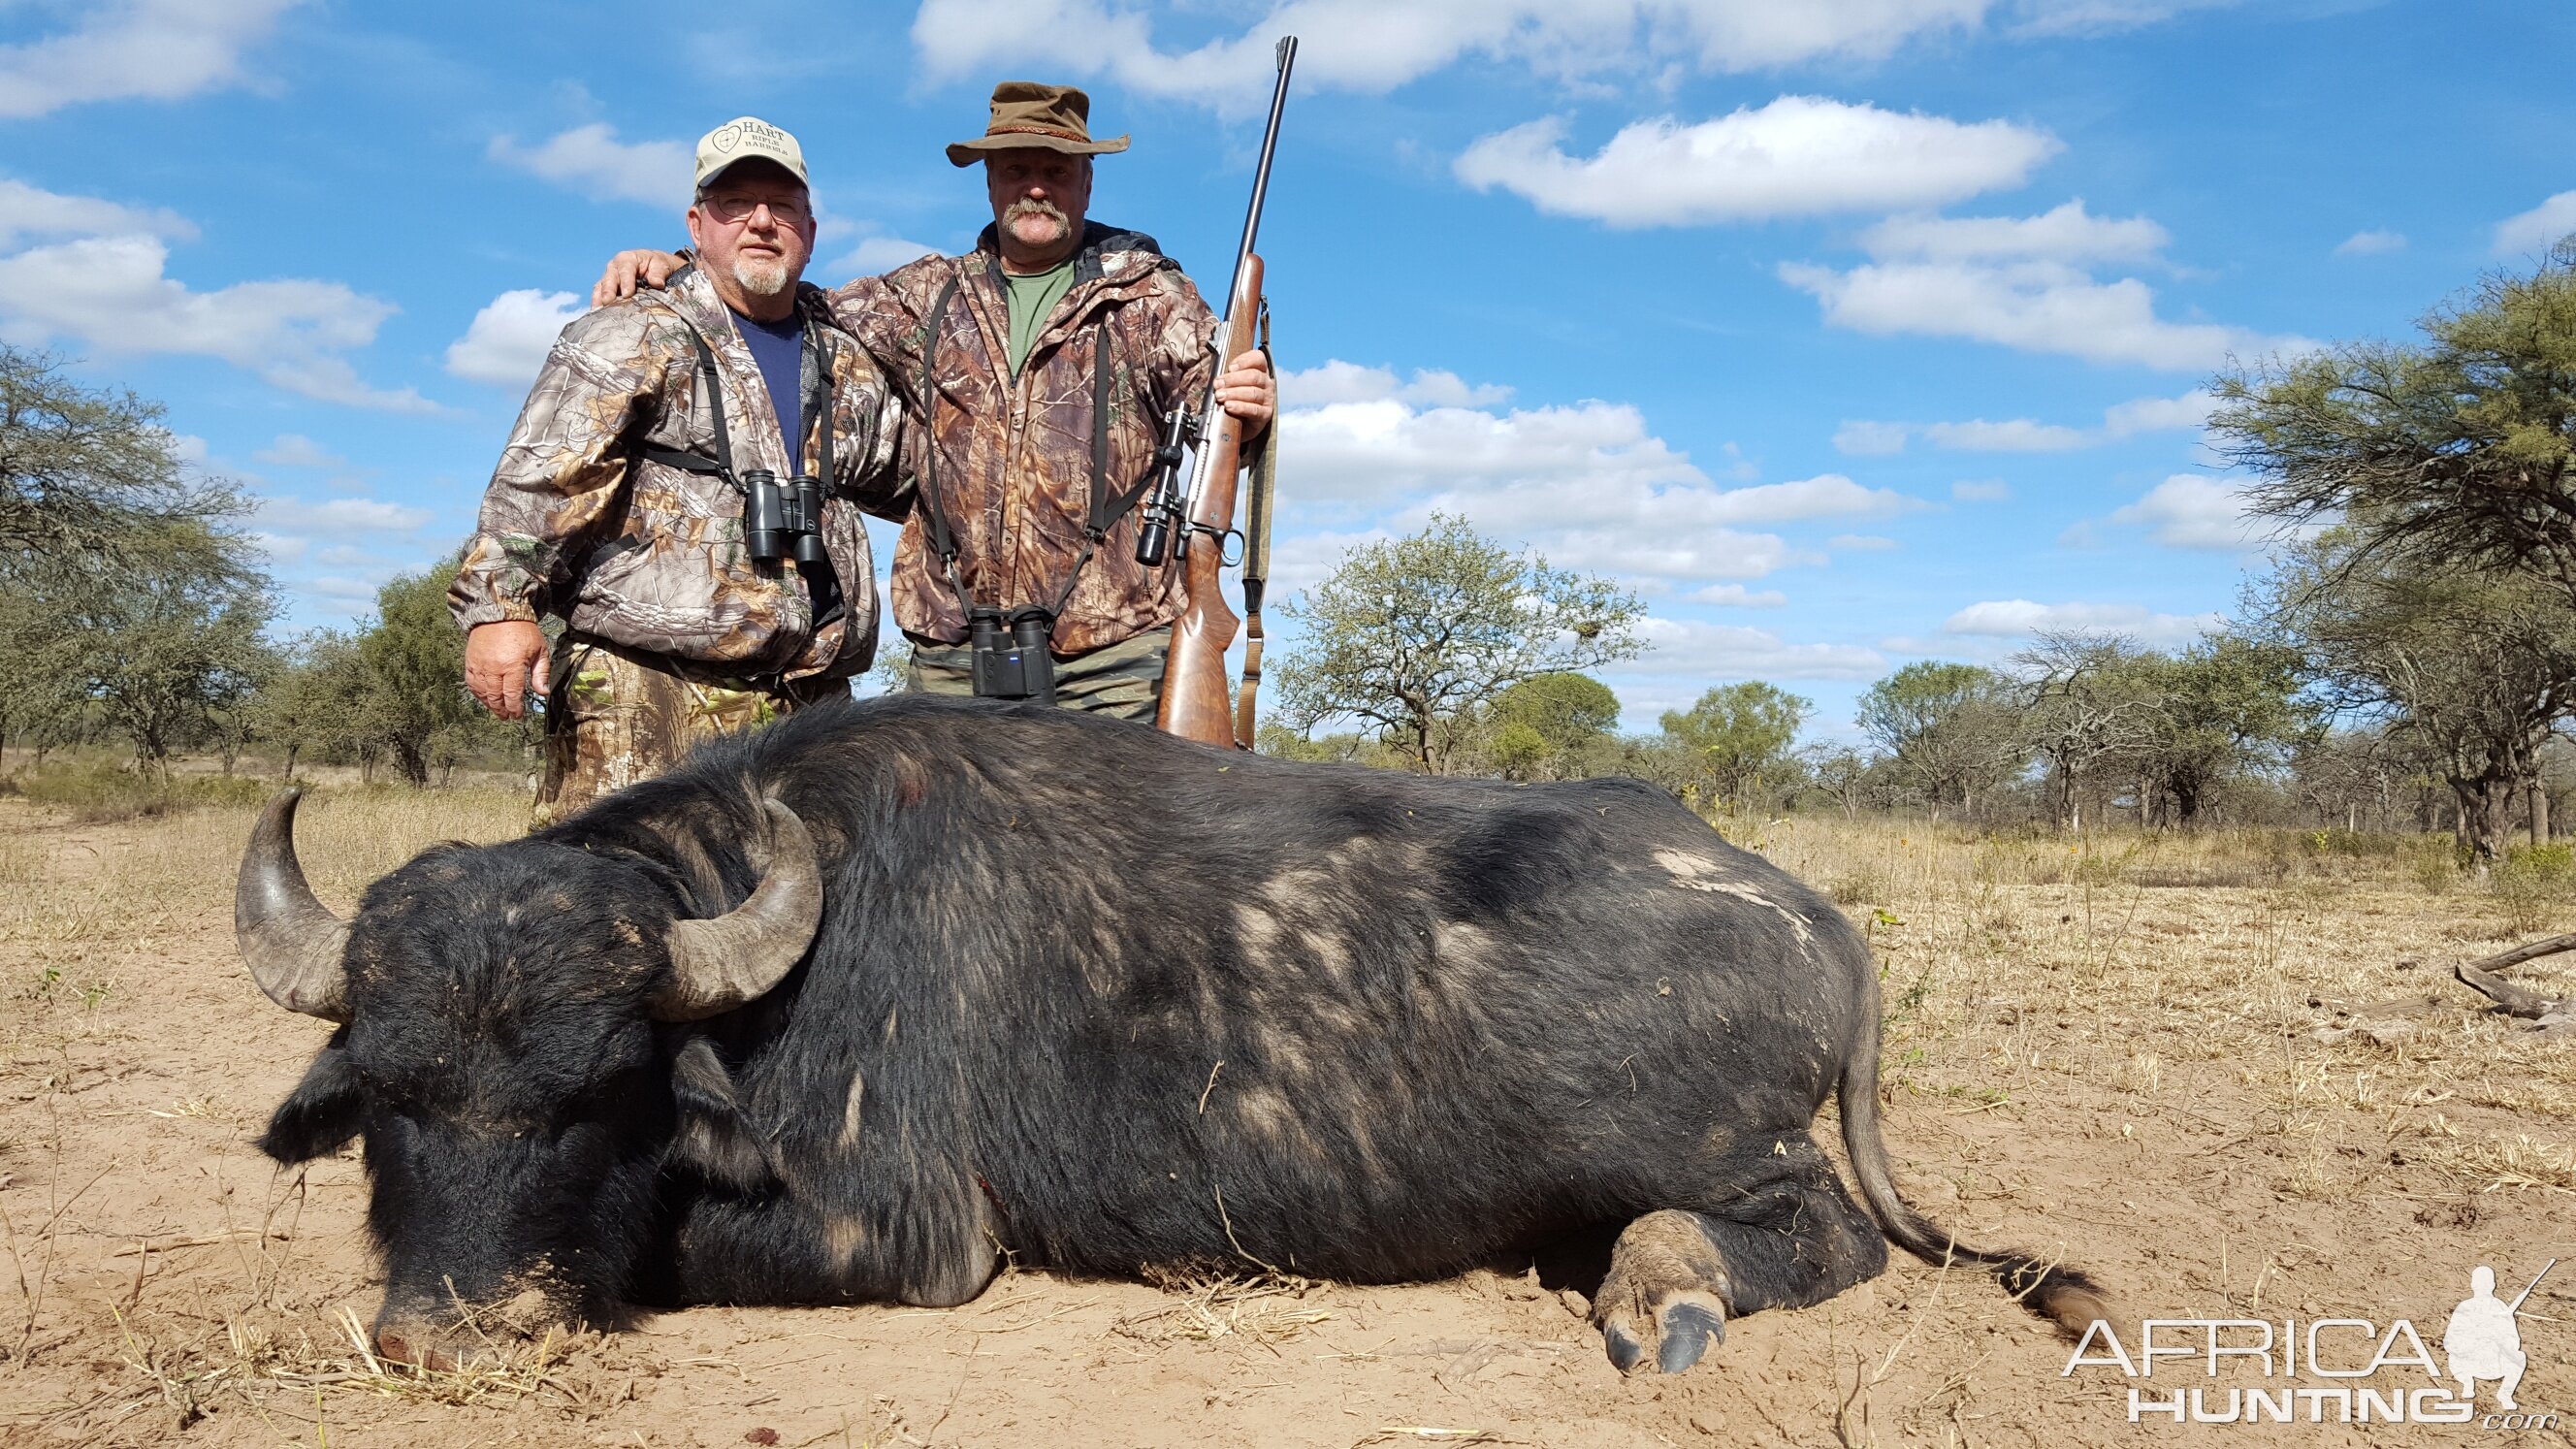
{"x": 1104, "y": 511}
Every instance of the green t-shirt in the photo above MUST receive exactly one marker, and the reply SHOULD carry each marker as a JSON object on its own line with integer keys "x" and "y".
{"x": 1032, "y": 298}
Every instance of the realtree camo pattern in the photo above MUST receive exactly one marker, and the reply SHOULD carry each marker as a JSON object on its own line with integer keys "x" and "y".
{"x": 613, "y": 719}
{"x": 1014, "y": 457}
{"x": 651, "y": 557}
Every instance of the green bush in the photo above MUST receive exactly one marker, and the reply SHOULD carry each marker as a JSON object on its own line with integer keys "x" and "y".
{"x": 2531, "y": 885}
{"x": 99, "y": 792}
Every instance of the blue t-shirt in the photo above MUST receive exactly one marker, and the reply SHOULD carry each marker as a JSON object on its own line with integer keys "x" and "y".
{"x": 779, "y": 348}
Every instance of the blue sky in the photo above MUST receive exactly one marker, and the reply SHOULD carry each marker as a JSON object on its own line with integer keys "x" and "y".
{"x": 1848, "y": 332}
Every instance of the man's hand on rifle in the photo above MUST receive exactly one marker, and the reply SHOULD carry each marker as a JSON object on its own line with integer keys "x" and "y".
{"x": 505, "y": 663}
{"x": 1246, "y": 391}
{"x": 627, "y": 270}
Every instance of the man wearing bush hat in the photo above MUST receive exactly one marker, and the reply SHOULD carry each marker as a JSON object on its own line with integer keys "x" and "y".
{"x": 657, "y": 431}
{"x": 1036, "y": 372}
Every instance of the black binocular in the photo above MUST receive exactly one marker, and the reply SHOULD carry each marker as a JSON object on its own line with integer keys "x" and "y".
{"x": 782, "y": 519}
{"x": 1009, "y": 654}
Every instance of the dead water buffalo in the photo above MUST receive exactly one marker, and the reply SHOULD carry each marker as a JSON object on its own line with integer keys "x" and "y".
{"x": 844, "y": 1009}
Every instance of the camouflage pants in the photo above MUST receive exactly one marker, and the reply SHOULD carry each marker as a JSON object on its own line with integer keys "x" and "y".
{"x": 1122, "y": 680}
{"x": 614, "y": 717}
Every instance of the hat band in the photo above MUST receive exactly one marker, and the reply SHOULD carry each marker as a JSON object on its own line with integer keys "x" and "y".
{"x": 1021, "y": 129}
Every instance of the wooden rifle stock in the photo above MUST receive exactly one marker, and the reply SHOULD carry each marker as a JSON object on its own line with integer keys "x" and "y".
{"x": 1196, "y": 703}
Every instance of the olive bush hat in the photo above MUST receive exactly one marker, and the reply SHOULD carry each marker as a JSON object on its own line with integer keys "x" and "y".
{"x": 1025, "y": 114}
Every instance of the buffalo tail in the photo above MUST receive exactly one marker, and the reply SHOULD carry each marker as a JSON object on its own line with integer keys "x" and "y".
{"x": 2056, "y": 1292}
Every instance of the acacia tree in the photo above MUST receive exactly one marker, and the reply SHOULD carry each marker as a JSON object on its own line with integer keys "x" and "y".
{"x": 1739, "y": 736}
{"x": 90, "y": 473}
{"x": 1548, "y": 726}
{"x": 411, "y": 704}
{"x": 2467, "y": 668}
{"x": 1417, "y": 635}
{"x": 2225, "y": 705}
{"x": 2082, "y": 703}
{"x": 2460, "y": 446}
{"x": 1948, "y": 730}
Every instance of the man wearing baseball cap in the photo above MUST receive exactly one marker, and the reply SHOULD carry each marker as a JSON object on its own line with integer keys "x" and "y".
{"x": 680, "y": 493}
{"x": 1037, "y": 372}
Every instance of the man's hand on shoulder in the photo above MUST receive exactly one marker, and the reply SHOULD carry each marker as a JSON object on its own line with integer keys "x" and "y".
{"x": 627, "y": 271}
{"x": 1248, "y": 392}
{"x": 505, "y": 663}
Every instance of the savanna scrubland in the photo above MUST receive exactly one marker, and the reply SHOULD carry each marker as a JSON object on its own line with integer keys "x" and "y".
{"x": 2227, "y": 1071}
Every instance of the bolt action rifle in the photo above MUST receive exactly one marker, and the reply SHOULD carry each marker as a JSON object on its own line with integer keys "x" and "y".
{"x": 1196, "y": 703}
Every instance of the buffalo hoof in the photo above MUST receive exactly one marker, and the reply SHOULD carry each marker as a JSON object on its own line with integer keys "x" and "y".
{"x": 1669, "y": 1339}
{"x": 1688, "y": 1330}
{"x": 1664, "y": 1300}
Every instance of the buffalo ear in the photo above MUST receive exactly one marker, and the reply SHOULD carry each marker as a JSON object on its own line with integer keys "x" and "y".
{"x": 323, "y": 1112}
{"x": 714, "y": 1138}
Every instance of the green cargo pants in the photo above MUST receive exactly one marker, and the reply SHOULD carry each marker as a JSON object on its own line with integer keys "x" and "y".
{"x": 1123, "y": 680}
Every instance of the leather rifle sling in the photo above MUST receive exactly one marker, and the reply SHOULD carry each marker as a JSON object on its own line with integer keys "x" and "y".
{"x": 1256, "y": 558}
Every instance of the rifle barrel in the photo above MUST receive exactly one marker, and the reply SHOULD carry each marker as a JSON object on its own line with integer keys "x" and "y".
{"x": 2516, "y": 1305}
{"x": 1261, "y": 173}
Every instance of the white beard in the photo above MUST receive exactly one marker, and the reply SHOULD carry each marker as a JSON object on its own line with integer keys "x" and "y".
{"x": 761, "y": 280}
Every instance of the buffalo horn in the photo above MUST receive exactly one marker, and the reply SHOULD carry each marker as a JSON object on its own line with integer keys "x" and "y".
{"x": 720, "y": 963}
{"x": 290, "y": 940}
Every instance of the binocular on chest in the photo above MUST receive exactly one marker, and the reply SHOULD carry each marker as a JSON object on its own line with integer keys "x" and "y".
{"x": 1008, "y": 653}
{"x": 782, "y": 518}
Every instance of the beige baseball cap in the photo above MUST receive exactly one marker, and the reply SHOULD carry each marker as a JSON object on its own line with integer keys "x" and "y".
{"x": 747, "y": 138}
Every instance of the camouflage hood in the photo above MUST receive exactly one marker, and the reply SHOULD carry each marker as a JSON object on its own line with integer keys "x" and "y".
{"x": 648, "y": 555}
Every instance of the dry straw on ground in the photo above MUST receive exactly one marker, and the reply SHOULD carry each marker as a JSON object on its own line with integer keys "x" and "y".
{"x": 2229, "y": 1072}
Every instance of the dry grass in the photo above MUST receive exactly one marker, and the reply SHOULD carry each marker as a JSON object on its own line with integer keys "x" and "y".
{"x": 2274, "y": 1004}
{"x": 1265, "y": 1310}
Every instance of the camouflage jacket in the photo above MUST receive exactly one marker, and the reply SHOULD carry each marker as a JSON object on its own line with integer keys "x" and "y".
{"x": 650, "y": 556}
{"x": 1013, "y": 457}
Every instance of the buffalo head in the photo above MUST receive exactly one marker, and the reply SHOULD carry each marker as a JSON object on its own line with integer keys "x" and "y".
{"x": 505, "y": 1052}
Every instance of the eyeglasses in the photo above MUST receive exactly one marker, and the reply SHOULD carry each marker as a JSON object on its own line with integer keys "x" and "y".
{"x": 733, "y": 209}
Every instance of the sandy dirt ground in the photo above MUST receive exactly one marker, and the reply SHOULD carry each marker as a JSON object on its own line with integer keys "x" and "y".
{"x": 2232, "y": 1085}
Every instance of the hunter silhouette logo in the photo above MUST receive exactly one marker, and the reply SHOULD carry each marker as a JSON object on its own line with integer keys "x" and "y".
{"x": 2481, "y": 1338}
{"x": 2325, "y": 1370}
{"x": 725, "y": 138}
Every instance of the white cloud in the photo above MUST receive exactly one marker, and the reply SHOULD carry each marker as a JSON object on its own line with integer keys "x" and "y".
{"x": 2022, "y": 282}
{"x": 1989, "y": 490}
{"x": 2019, "y": 435}
{"x": 1797, "y": 156}
{"x": 591, "y": 160}
{"x": 1861, "y": 439}
{"x": 280, "y": 548}
{"x": 294, "y": 450}
{"x": 26, "y": 211}
{"x": 2157, "y": 414}
{"x": 1736, "y": 596}
{"x": 2538, "y": 229}
{"x": 2100, "y": 17}
{"x": 1709, "y": 652}
{"x": 1588, "y": 484}
{"x": 2029, "y": 435}
{"x": 341, "y": 517}
{"x": 878, "y": 254}
{"x": 1371, "y": 46}
{"x": 2370, "y": 244}
{"x": 2032, "y": 306}
{"x": 506, "y": 342}
{"x": 1336, "y": 381}
{"x": 2066, "y": 234}
{"x": 2020, "y": 618}
{"x": 2188, "y": 510}
{"x": 157, "y": 50}
{"x": 110, "y": 293}
{"x": 1860, "y": 542}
